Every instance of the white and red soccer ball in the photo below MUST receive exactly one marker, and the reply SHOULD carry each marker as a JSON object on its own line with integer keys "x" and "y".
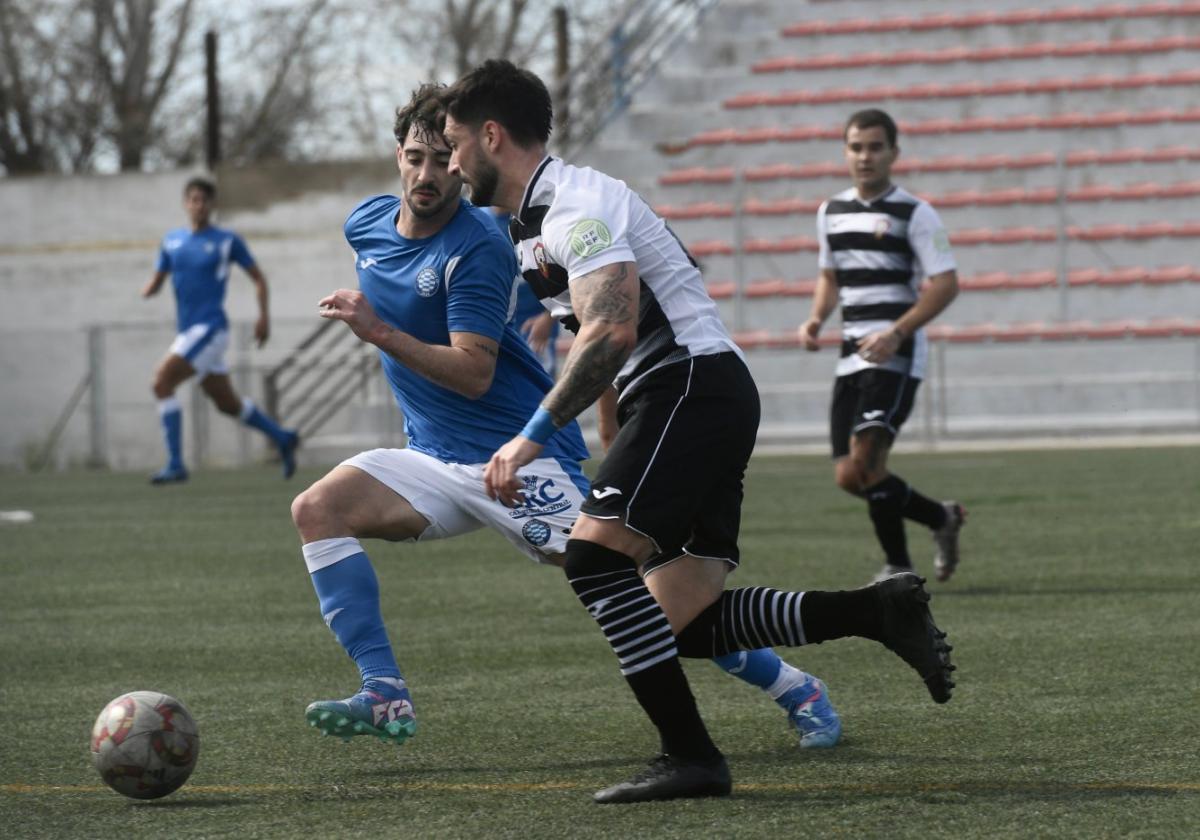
{"x": 145, "y": 744}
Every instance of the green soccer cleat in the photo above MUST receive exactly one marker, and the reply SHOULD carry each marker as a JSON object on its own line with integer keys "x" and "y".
{"x": 387, "y": 714}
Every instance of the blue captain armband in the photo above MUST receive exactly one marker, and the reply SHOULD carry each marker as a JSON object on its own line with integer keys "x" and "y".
{"x": 540, "y": 427}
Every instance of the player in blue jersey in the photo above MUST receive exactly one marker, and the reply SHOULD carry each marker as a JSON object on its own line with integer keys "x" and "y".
{"x": 197, "y": 258}
{"x": 436, "y": 287}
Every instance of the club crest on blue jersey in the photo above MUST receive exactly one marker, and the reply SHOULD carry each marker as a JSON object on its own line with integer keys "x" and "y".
{"x": 542, "y": 498}
{"x": 536, "y": 532}
{"x": 428, "y": 281}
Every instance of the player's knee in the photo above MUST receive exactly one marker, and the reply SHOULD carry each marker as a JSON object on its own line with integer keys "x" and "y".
{"x": 232, "y": 408}
{"x": 584, "y": 558}
{"x": 161, "y": 388}
{"x": 848, "y": 475}
{"x": 311, "y": 513}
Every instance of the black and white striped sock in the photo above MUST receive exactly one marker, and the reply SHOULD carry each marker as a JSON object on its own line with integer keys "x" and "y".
{"x": 747, "y": 619}
{"x": 612, "y": 591}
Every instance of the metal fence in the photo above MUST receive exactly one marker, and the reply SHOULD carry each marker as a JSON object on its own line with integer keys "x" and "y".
{"x": 87, "y": 399}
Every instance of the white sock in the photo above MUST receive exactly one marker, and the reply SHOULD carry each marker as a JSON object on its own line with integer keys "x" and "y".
{"x": 786, "y": 681}
{"x": 395, "y": 682}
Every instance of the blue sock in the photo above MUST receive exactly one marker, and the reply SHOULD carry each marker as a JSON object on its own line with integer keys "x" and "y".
{"x": 170, "y": 414}
{"x": 252, "y": 416}
{"x": 758, "y": 667}
{"x": 348, "y": 592}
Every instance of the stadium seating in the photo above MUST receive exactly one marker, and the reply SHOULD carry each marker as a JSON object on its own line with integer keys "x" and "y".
{"x": 1054, "y": 140}
{"x": 974, "y": 20}
{"x": 948, "y": 163}
{"x": 1003, "y": 52}
{"x": 941, "y": 126}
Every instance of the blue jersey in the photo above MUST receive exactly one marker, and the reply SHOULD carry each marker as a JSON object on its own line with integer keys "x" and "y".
{"x": 198, "y": 262}
{"x": 458, "y": 280}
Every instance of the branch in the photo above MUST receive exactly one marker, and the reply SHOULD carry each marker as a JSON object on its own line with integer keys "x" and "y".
{"x": 181, "y": 31}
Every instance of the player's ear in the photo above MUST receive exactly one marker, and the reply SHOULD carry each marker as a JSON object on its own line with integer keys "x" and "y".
{"x": 492, "y": 134}
{"x": 399, "y": 154}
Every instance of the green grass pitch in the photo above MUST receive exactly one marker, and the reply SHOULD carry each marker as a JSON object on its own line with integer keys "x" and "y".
{"x": 1075, "y": 619}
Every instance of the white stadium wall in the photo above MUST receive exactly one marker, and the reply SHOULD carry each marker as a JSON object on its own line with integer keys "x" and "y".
{"x": 1067, "y": 173}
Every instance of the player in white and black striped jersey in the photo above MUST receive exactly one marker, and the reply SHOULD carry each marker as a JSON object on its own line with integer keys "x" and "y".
{"x": 650, "y": 551}
{"x": 885, "y": 259}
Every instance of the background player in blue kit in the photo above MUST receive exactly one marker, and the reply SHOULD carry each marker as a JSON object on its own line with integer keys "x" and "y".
{"x": 436, "y": 292}
{"x": 198, "y": 258}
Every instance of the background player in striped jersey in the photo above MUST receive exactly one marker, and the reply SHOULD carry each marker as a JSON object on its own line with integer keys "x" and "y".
{"x": 197, "y": 258}
{"x": 657, "y": 535}
{"x": 878, "y": 243}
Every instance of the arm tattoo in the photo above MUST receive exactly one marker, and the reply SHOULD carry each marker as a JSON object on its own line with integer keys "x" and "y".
{"x": 601, "y": 297}
{"x": 491, "y": 351}
{"x": 590, "y": 369}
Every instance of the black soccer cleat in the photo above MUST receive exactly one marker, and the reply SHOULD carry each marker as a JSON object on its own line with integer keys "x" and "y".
{"x": 668, "y": 777}
{"x": 909, "y": 632}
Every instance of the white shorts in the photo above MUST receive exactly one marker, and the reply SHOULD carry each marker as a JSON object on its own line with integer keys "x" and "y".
{"x": 203, "y": 346}
{"x": 452, "y": 498}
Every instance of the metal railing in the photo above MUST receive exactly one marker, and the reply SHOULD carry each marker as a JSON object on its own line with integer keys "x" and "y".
{"x": 602, "y": 83}
{"x": 310, "y": 386}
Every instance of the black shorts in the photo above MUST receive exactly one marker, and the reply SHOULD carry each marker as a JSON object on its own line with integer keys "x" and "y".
{"x": 674, "y": 472}
{"x": 871, "y": 398}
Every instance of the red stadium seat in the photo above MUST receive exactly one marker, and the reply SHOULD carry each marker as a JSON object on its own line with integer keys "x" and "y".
{"x": 781, "y": 207}
{"x": 1024, "y": 122}
{"x": 758, "y": 135}
{"x": 1173, "y": 274}
{"x": 1153, "y": 230}
{"x": 1084, "y": 276}
{"x": 710, "y": 248}
{"x": 1183, "y": 189}
{"x": 1099, "y": 232}
{"x": 1123, "y": 276}
{"x": 701, "y": 210}
{"x": 697, "y": 175}
{"x": 977, "y": 236}
{"x": 1186, "y": 230}
{"x": 1169, "y": 154}
{"x": 721, "y": 291}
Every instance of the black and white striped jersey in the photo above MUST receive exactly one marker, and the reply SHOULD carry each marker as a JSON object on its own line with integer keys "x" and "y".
{"x": 880, "y": 251}
{"x": 575, "y": 220}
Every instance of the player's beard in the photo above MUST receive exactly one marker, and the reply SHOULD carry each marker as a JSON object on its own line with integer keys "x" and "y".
{"x": 483, "y": 190}
{"x": 429, "y": 211}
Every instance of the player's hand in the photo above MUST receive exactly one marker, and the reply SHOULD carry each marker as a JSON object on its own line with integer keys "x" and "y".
{"x": 537, "y": 331}
{"x": 150, "y": 289}
{"x": 352, "y": 307}
{"x": 500, "y": 479}
{"x": 809, "y": 331}
{"x": 878, "y": 347}
{"x": 262, "y": 330}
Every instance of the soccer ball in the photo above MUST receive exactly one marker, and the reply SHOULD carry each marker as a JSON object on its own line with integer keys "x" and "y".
{"x": 145, "y": 744}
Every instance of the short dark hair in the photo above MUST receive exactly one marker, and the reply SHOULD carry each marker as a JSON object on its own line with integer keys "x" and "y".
{"x": 203, "y": 184}
{"x": 512, "y": 96}
{"x": 873, "y": 118}
{"x": 424, "y": 109}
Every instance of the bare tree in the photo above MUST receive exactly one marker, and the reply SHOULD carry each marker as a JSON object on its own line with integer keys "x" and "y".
{"x": 136, "y": 67}
{"x": 23, "y": 129}
{"x": 478, "y": 29}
